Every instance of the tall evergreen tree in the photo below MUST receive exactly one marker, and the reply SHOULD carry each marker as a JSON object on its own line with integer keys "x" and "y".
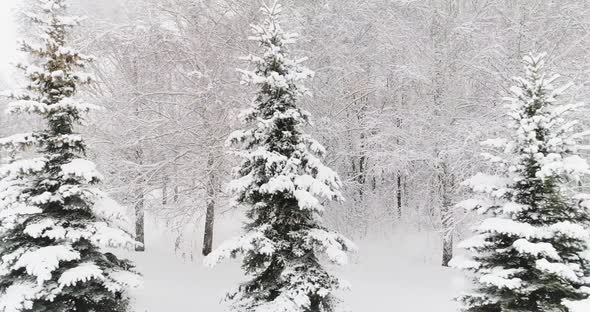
{"x": 54, "y": 221}
{"x": 283, "y": 185}
{"x": 531, "y": 253}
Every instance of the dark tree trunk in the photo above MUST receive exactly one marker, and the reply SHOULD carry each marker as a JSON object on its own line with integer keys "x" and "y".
{"x": 139, "y": 223}
{"x": 209, "y": 222}
{"x": 446, "y": 214}
{"x": 447, "y": 253}
{"x": 210, "y": 217}
{"x": 165, "y": 191}
{"x": 447, "y": 249}
{"x": 399, "y": 195}
{"x": 140, "y": 200}
{"x": 445, "y": 178}
{"x": 176, "y": 193}
{"x": 139, "y": 207}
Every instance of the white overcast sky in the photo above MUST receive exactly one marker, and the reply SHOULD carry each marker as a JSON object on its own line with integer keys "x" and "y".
{"x": 7, "y": 39}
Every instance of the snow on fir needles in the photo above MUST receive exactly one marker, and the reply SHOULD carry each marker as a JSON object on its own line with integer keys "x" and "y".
{"x": 54, "y": 221}
{"x": 284, "y": 186}
{"x": 531, "y": 252}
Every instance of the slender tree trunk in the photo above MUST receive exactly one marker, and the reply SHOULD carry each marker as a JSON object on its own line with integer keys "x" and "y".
{"x": 445, "y": 178}
{"x": 176, "y": 193}
{"x": 399, "y": 195}
{"x": 140, "y": 209}
{"x": 140, "y": 200}
{"x": 176, "y": 190}
{"x": 139, "y": 222}
{"x": 210, "y": 217}
{"x": 209, "y": 222}
{"x": 447, "y": 221}
{"x": 140, "y": 206}
{"x": 165, "y": 191}
{"x": 399, "y": 177}
{"x": 446, "y": 214}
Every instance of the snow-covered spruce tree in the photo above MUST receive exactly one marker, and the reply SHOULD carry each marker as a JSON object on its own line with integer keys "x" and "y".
{"x": 283, "y": 184}
{"x": 54, "y": 222}
{"x": 531, "y": 252}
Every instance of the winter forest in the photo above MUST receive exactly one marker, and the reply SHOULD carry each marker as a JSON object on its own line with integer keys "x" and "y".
{"x": 295, "y": 156}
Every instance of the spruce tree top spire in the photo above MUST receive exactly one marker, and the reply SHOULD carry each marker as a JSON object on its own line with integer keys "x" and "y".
{"x": 53, "y": 218}
{"x": 538, "y": 118}
{"x": 532, "y": 252}
{"x": 284, "y": 187}
{"x": 279, "y": 123}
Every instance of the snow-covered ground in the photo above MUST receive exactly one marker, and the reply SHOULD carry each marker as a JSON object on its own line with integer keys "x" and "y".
{"x": 399, "y": 274}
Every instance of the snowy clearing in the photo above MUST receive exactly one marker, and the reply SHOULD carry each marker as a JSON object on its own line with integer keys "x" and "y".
{"x": 405, "y": 270}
